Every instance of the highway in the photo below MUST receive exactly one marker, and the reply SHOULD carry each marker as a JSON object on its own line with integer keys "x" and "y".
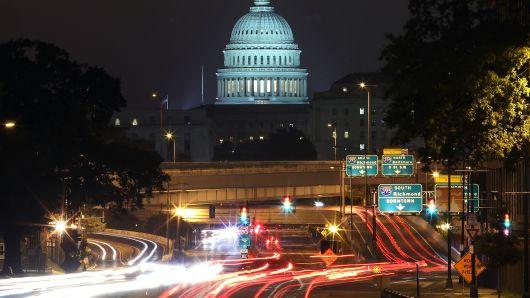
{"x": 286, "y": 263}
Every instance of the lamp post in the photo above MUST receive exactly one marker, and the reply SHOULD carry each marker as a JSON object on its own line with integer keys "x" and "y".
{"x": 165, "y": 101}
{"x": 334, "y": 136}
{"x": 170, "y": 137}
{"x": 364, "y": 86}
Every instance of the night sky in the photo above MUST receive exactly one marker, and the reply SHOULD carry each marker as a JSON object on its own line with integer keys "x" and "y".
{"x": 161, "y": 44}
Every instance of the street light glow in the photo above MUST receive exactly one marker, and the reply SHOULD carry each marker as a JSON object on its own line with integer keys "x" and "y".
{"x": 169, "y": 135}
{"x": 436, "y": 174}
{"x": 330, "y": 125}
{"x": 154, "y": 95}
{"x": 10, "y": 124}
{"x": 319, "y": 204}
{"x": 334, "y": 229}
{"x": 362, "y": 85}
{"x": 60, "y": 226}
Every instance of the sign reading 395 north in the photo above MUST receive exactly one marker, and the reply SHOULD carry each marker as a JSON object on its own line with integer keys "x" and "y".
{"x": 356, "y": 165}
{"x": 394, "y": 198}
{"x": 398, "y": 165}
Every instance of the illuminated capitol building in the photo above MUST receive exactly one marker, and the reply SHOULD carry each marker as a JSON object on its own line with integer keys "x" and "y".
{"x": 262, "y": 87}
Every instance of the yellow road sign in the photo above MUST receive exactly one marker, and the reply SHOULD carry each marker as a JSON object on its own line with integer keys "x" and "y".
{"x": 445, "y": 179}
{"x": 395, "y": 151}
{"x": 464, "y": 267}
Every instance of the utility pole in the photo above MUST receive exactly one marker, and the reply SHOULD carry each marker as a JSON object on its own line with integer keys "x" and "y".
{"x": 474, "y": 292}
{"x": 449, "y": 282}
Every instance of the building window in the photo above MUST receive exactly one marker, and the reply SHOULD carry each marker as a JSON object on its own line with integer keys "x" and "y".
{"x": 361, "y": 122}
{"x": 117, "y": 122}
{"x": 221, "y": 141}
{"x": 268, "y": 60}
{"x": 275, "y": 86}
{"x": 268, "y": 86}
{"x": 334, "y": 112}
{"x": 346, "y": 112}
{"x": 374, "y": 122}
{"x": 344, "y": 89}
{"x": 135, "y": 122}
{"x": 255, "y": 86}
{"x": 361, "y": 146}
{"x": 361, "y": 111}
{"x": 261, "y": 86}
{"x": 361, "y": 135}
{"x": 251, "y": 138}
{"x": 346, "y": 135}
{"x": 187, "y": 120}
{"x": 262, "y": 138}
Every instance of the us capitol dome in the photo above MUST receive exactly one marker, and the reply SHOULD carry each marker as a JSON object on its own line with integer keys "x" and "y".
{"x": 262, "y": 61}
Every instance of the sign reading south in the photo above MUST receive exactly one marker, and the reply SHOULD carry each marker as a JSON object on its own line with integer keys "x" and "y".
{"x": 394, "y": 198}
{"x": 357, "y": 167}
{"x": 398, "y": 165}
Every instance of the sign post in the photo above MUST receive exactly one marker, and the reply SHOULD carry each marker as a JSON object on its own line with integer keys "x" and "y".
{"x": 357, "y": 167}
{"x": 398, "y": 165}
{"x": 395, "y": 198}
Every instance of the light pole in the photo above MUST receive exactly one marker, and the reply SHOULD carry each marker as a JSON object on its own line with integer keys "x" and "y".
{"x": 367, "y": 149}
{"x": 170, "y": 137}
{"x": 165, "y": 101}
{"x": 334, "y": 136}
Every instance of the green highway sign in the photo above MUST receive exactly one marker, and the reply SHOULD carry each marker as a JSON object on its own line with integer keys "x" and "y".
{"x": 244, "y": 241}
{"x": 395, "y": 198}
{"x": 398, "y": 165}
{"x": 358, "y": 166}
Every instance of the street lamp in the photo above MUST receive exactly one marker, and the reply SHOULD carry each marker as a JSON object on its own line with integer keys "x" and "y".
{"x": 364, "y": 86}
{"x": 60, "y": 226}
{"x": 170, "y": 137}
{"x": 10, "y": 124}
{"x": 334, "y": 135}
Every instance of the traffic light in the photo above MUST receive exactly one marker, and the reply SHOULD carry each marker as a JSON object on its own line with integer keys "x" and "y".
{"x": 243, "y": 216}
{"x": 507, "y": 224}
{"x": 287, "y": 204}
{"x": 431, "y": 207}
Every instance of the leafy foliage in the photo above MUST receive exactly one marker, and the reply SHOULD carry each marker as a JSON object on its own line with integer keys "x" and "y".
{"x": 498, "y": 249}
{"x": 460, "y": 81}
{"x": 57, "y": 149}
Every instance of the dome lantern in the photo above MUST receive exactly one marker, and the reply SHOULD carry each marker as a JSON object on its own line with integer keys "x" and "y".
{"x": 262, "y": 2}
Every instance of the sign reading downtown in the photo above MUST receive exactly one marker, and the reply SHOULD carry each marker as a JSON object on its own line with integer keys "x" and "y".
{"x": 394, "y": 198}
{"x": 398, "y": 165}
{"x": 357, "y": 167}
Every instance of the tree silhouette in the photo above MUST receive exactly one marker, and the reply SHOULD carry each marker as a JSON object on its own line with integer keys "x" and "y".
{"x": 57, "y": 151}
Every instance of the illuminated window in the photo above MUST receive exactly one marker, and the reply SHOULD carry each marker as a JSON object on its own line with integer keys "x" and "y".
{"x": 135, "y": 122}
{"x": 275, "y": 86}
{"x": 346, "y": 135}
{"x": 251, "y": 138}
{"x": 255, "y": 86}
{"x": 117, "y": 122}
{"x": 291, "y": 124}
{"x": 268, "y": 86}
{"x": 361, "y": 146}
{"x": 221, "y": 141}
{"x": 344, "y": 89}
{"x": 261, "y": 86}
{"x": 262, "y": 138}
{"x": 361, "y": 111}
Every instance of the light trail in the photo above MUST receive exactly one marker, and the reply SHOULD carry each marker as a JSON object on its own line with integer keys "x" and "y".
{"x": 114, "y": 251}
{"x": 103, "y": 251}
{"x": 140, "y": 257}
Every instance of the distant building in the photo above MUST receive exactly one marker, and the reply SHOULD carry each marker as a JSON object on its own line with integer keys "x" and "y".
{"x": 262, "y": 62}
{"x": 344, "y": 109}
{"x": 262, "y": 88}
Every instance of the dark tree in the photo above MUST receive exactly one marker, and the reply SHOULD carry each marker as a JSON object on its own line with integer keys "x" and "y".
{"x": 460, "y": 80}
{"x": 57, "y": 149}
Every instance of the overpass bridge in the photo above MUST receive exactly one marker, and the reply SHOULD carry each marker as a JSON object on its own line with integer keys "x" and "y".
{"x": 231, "y": 183}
